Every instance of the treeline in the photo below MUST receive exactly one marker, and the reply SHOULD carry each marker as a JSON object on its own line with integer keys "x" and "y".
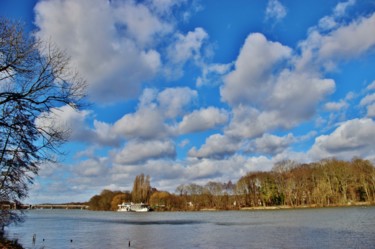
{"x": 324, "y": 183}
{"x": 109, "y": 200}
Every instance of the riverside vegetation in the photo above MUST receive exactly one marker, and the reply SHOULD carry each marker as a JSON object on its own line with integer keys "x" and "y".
{"x": 328, "y": 182}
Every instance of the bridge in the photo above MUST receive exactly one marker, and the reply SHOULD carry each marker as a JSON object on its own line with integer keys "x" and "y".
{"x": 10, "y": 205}
{"x": 57, "y": 206}
{"x": 46, "y": 206}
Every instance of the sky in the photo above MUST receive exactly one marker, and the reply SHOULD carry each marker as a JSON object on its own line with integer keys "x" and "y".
{"x": 192, "y": 91}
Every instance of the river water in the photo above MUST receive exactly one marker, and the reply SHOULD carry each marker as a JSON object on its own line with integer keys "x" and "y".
{"x": 352, "y": 227}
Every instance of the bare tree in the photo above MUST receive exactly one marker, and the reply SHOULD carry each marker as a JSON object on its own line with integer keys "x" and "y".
{"x": 141, "y": 188}
{"x": 35, "y": 77}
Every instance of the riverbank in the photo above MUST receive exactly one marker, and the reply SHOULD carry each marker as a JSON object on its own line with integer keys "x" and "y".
{"x": 9, "y": 244}
{"x": 352, "y": 204}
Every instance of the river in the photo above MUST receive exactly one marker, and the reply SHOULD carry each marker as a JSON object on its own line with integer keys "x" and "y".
{"x": 352, "y": 227}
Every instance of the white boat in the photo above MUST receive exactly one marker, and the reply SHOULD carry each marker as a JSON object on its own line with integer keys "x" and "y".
{"x": 133, "y": 207}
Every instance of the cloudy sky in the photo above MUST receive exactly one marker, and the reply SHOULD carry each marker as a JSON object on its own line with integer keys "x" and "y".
{"x": 204, "y": 90}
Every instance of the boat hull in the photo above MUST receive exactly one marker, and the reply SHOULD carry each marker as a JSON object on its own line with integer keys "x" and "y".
{"x": 133, "y": 207}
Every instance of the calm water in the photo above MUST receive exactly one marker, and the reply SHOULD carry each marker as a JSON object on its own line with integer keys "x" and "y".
{"x": 304, "y": 228}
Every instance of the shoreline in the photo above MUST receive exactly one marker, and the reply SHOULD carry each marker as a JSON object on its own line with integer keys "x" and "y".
{"x": 287, "y": 207}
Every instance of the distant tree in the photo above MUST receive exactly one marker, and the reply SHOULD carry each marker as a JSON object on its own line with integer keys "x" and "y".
{"x": 94, "y": 203}
{"x": 35, "y": 77}
{"x": 141, "y": 189}
{"x": 162, "y": 200}
{"x": 119, "y": 199}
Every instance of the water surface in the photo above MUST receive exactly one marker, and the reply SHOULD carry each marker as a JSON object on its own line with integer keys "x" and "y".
{"x": 352, "y": 227}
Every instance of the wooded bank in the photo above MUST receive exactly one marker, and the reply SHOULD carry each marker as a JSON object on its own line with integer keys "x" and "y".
{"x": 325, "y": 183}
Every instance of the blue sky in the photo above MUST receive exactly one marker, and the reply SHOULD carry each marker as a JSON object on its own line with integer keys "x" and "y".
{"x": 196, "y": 91}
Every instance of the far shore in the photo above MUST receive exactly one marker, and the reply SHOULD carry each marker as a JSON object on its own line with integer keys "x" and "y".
{"x": 281, "y": 207}
{"x": 353, "y": 204}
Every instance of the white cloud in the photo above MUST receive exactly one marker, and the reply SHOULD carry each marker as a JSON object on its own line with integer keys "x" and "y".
{"x": 342, "y": 41}
{"x": 183, "y": 143}
{"x": 112, "y": 44}
{"x": 284, "y": 105}
{"x": 174, "y": 101}
{"x": 184, "y": 48}
{"x": 139, "y": 23}
{"x": 105, "y": 135}
{"x": 92, "y": 167}
{"x": 271, "y": 144}
{"x": 136, "y": 152}
{"x": 165, "y": 7}
{"x": 336, "y": 106}
{"x": 216, "y": 146}
{"x": 249, "y": 122}
{"x": 353, "y": 138}
{"x": 203, "y": 119}
{"x": 187, "y": 46}
{"x": 371, "y": 86}
{"x": 368, "y": 99}
{"x": 249, "y": 81}
{"x": 66, "y": 119}
{"x": 290, "y": 96}
{"x": 341, "y": 7}
{"x": 349, "y": 41}
{"x": 331, "y": 22}
{"x": 146, "y": 123}
{"x": 260, "y": 163}
{"x": 371, "y": 111}
{"x": 275, "y": 10}
{"x": 212, "y": 74}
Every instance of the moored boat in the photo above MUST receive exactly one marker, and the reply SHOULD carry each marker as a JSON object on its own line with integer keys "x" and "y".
{"x": 133, "y": 207}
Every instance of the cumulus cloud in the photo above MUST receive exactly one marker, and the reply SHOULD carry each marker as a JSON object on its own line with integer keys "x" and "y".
{"x": 248, "y": 122}
{"x": 66, "y": 119}
{"x": 216, "y": 146}
{"x": 371, "y": 86}
{"x": 149, "y": 122}
{"x": 93, "y": 167}
{"x": 203, "y": 119}
{"x": 349, "y": 41}
{"x": 113, "y": 44}
{"x": 368, "y": 99}
{"x": 283, "y": 105}
{"x": 212, "y": 74}
{"x": 271, "y": 144}
{"x": 136, "y": 152}
{"x": 327, "y": 45}
{"x": 174, "y": 101}
{"x": 247, "y": 83}
{"x": 331, "y": 22}
{"x": 336, "y": 106}
{"x": 187, "y": 46}
{"x": 265, "y": 94}
{"x": 165, "y": 6}
{"x": 353, "y": 138}
{"x": 371, "y": 111}
{"x": 184, "y": 48}
{"x": 146, "y": 123}
{"x": 369, "y": 103}
{"x": 275, "y": 10}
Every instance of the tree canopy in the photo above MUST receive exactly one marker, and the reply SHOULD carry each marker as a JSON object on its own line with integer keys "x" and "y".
{"x": 35, "y": 79}
{"x": 328, "y": 182}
